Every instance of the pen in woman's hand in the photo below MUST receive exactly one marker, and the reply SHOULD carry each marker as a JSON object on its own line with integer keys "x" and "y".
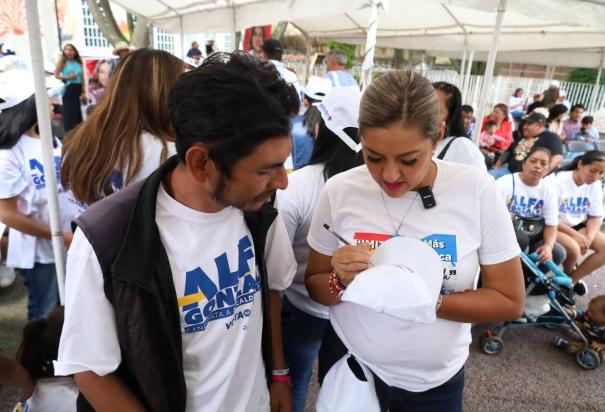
{"x": 327, "y": 227}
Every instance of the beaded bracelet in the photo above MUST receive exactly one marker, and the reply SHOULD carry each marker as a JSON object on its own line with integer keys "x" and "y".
{"x": 335, "y": 285}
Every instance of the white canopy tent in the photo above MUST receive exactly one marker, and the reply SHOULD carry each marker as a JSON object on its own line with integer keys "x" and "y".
{"x": 348, "y": 19}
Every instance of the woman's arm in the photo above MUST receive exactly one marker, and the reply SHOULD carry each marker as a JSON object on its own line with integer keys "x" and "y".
{"x": 549, "y": 237}
{"x": 11, "y": 217}
{"x": 593, "y": 225}
{"x": 501, "y": 298}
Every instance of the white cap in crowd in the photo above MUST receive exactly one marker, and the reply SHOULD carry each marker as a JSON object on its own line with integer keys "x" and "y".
{"x": 16, "y": 85}
{"x": 404, "y": 281}
{"x": 317, "y": 88}
{"x": 340, "y": 110}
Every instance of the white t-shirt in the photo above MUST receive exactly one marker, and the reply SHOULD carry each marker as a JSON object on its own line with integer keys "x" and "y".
{"x": 296, "y": 205}
{"x": 22, "y": 176}
{"x": 530, "y": 201}
{"x": 151, "y": 149}
{"x": 577, "y": 203}
{"x": 515, "y": 100}
{"x": 469, "y": 226}
{"x": 462, "y": 150}
{"x": 218, "y": 291}
{"x": 54, "y": 395}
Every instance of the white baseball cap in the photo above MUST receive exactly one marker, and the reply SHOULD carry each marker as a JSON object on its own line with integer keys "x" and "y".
{"x": 404, "y": 281}
{"x": 16, "y": 85}
{"x": 340, "y": 110}
{"x": 318, "y": 87}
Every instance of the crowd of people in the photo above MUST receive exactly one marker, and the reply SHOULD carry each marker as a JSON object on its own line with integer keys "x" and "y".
{"x": 202, "y": 276}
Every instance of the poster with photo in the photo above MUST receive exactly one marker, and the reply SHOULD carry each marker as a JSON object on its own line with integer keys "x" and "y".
{"x": 254, "y": 37}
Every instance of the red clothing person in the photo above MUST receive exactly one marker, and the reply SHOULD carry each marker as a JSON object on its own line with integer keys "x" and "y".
{"x": 505, "y": 128}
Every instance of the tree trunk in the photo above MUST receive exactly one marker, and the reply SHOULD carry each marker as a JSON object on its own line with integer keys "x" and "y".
{"x": 140, "y": 37}
{"x": 101, "y": 12}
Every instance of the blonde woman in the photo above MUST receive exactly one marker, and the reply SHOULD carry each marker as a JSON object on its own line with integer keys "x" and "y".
{"x": 468, "y": 226}
{"x": 129, "y": 134}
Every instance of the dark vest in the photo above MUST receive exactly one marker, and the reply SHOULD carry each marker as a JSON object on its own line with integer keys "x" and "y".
{"x": 138, "y": 282}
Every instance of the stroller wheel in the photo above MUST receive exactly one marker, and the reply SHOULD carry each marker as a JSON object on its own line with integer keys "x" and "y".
{"x": 491, "y": 345}
{"x": 588, "y": 358}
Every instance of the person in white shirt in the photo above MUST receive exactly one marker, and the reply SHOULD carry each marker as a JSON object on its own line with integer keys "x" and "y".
{"x": 516, "y": 104}
{"x": 273, "y": 52}
{"x": 23, "y": 193}
{"x": 580, "y": 197}
{"x": 173, "y": 304}
{"x": 304, "y": 320}
{"x": 528, "y": 196}
{"x": 126, "y": 148}
{"x": 455, "y": 146}
{"x": 403, "y": 191}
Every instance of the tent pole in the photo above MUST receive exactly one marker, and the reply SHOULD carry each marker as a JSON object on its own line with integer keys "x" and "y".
{"x": 595, "y": 88}
{"x": 463, "y": 63}
{"x": 46, "y": 140}
{"x": 489, "y": 70}
{"x": 467, "y": 78}
{"x": 368, "y": 61}
{"x": 183, "y": 52}
{"x": 307, "y": 58}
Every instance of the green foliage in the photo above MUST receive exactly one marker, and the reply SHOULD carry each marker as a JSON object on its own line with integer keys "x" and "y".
{"x": 348, "y": 49}
{"x": 583, "y": 75}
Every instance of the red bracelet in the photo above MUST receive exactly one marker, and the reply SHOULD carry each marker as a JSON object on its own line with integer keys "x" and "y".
{"x": 335, "y": 285}
{"x": 280, "y": 378}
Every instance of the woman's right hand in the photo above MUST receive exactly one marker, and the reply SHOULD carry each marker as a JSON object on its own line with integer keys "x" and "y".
{"x": 582, "y": 241}
{"x": 349, "y": 261}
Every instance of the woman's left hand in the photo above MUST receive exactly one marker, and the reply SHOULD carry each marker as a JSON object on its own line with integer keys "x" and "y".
{"x": 545, "y": 253}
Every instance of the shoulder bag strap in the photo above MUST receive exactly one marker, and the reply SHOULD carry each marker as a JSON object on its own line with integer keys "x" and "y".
{"x": 446, "y": 148}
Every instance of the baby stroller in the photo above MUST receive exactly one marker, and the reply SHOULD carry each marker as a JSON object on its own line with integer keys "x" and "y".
{"x": 551, "y": 315}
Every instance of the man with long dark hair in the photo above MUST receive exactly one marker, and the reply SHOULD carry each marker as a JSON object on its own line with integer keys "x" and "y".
{"x": 172, "y": 294}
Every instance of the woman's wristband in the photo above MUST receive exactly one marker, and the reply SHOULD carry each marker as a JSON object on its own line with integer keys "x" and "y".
{"x": 336, "y": 286}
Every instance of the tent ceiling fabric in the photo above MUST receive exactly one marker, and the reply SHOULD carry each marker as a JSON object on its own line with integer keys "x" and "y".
{"x": 442, "y": 25}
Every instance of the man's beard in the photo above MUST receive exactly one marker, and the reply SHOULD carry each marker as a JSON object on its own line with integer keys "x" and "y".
{"x": 218, "y": 195}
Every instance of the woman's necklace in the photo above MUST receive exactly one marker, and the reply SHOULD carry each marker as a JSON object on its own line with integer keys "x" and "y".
{"x": 405, "y": 215}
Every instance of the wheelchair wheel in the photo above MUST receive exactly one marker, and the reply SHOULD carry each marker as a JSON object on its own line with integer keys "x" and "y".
{"x": 491, "y": 345}
{"x": 588, "y": 358}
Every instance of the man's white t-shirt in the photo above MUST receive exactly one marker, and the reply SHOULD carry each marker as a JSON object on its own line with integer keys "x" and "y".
{"x": 151, "y": 159}
{"x": 462, "y": 150}
{"x": 296, "y": 205}
{"x": 577, "y": 203}
{"x": 218, "y": 289}
{"x": 469, "y": 226}
{"x": 22, "y": 176}
{"x": 530, "y": 201}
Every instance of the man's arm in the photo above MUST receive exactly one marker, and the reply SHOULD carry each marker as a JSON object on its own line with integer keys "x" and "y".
{"x": 280, "y": 392}
{"x": 107, "y": 393}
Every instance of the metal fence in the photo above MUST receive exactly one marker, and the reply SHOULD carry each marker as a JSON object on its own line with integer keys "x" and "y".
{"x": 501, "y": 88}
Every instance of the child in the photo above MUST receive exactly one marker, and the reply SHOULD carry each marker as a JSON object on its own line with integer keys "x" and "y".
{"x": 38, "y": 349}
{"x": 586, "y": 132}
{"x": 487, "y": 139}
{"x": 592, "y": 324}
{"x": 488, "y": 136}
